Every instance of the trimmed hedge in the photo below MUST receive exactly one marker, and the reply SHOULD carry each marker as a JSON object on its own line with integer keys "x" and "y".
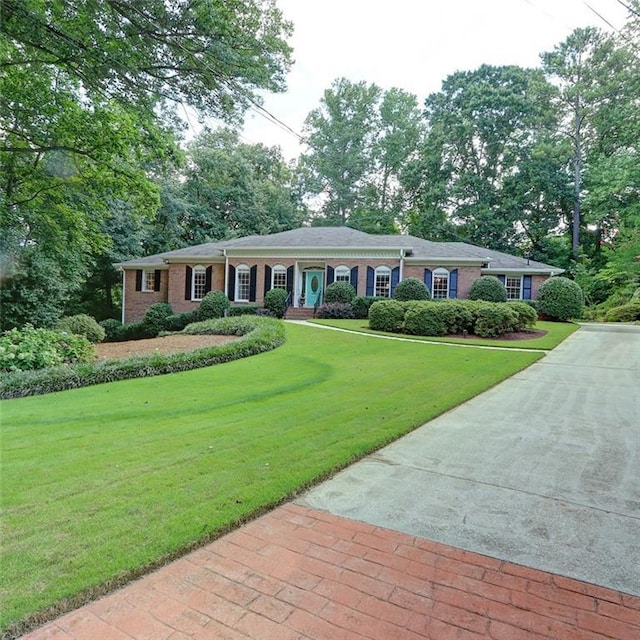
{"x": 423, "y": 318}
{"x": 155, "y": 319}
{"x": 489, "y": 289}
{"x": 387, "y": 315}
{"x": 527, "y": 315}
{"x": 494, "y": 319}
{"x": 339, "y": 292}
{"x": 560, "y": 299}
{"x": 215, "y": 304}
{"x": 411, "y": 289}
{"x": 275, "y": 302}
{"x": 258, "y": 335}
{"x": 244, "y": 310}
{"x": 362, "y": 304}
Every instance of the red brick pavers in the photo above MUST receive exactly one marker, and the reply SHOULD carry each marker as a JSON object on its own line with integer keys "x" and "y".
{"x": 299, "y": 573}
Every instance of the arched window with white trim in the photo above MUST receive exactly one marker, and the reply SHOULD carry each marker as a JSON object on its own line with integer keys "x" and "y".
{"x": 279, "y": 277}
{"x": 198, "y": 282}
{"x": 342, "y": 274}
{"x": 243, "y": 283}
{"x": 383, "y": 282}
{"x": 440, "y": 287}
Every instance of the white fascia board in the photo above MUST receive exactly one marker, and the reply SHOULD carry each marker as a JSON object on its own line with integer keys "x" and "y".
{"x": 472, "y": 262}
{"x": 312, "y": 253}
{"x": 527, "y": 271}
{"x": 196, "y": 260}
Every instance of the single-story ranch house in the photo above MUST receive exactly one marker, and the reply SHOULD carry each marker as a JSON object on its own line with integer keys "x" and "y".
{"x": 304, "y": 261}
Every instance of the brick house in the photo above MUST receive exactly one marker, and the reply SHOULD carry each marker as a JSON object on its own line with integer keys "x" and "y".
{"x": 304, "y": 261}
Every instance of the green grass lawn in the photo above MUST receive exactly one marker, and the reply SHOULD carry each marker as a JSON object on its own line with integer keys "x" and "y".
{"x": 102, "y": 482}
{"x": 556, "y": 333}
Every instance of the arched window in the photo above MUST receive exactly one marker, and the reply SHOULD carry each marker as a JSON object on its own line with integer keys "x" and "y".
{"x": 342, "y": 274}
{"x": 383, "y": 282}
{"x": 279, "y": 277}
{"x": 440, "y": 287}
{"x": 243, "y": 280}
{"x": 198, "y": 282}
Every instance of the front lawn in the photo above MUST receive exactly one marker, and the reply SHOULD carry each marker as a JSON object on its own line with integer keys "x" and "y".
{"x": 103, "y": 482}
{"x": 556, "y": 332}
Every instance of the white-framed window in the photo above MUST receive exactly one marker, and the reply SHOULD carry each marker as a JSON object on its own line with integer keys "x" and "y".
{"x": 149, "y": 280}
{"x": 383, "y": 282}
{"x": 342, "y": 274}
{"x": 243, "y": 279}
{"x": 198, "y": 282}
{"x": 513, "y": 285}
{"x": 440, "y": 284}
{"x": 279, "y": 277}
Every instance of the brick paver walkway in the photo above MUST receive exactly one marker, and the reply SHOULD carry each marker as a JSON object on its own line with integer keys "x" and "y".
{"x": 298, "y": 573}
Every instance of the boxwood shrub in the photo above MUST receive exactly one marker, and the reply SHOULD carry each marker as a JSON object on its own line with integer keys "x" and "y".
{"x": 488, "y": 288}
{"x": 492, "y": 320}
{"x": 386, "y": 315}
{"x": 457, "y": 315}
{"x": 244, "y": 310}
{"x": 560, "y": 299}
{"x": 155, "y": 319}
{"x": 424, "y": 318}
{"x": 113, "y": 329}
{"x": 411, "y": 289}
{"x": 527, "y": 315}
{"x": 258, "y": 335}
{"x": 339, "y": 292}
{"x": 215, "y": 304}
{"x": 82, "y": 325}
{"x": 275, "y": 302}
{"x": 362, "y": 304}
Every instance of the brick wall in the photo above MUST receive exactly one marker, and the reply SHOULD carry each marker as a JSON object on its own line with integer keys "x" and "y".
{"x": 466, "y": 275}
{"x": 137, "y": 302}
{"x": 178, "y": 277}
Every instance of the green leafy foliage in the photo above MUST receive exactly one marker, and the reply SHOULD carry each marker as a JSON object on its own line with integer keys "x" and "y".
{"x": 113, "y": 329}
{"x": 411, "y": 289}
{"x": 30, "y": 349}
{"x": 495, "y": 319}
{"x": 527, "y": 315}
{"x": 340, "y": 292}
{"x": 259, "y": 335}
{"x": 424, "y": 319}
{"x": 336, "y": 310}
{"x": 386, "y": 315}
{"x": 179, "y": 321}
{"x": 488, "y": 288}
{"x": 214, "y": 305}
{"x": 457, "y": 315}
{"x": 275, "y": 301}
{"x": 155, "y": 319}
{"x": 362, "y": 304}
{"x": 629, "y": 312}
{"x": 560, "y": 299}
{"x": 82, "y": 325}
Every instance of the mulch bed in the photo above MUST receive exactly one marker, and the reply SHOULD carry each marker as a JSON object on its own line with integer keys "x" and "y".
{"x": 527, "y": 334}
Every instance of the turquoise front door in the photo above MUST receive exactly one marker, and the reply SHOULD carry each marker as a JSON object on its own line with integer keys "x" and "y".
{"x": 313, "y": 287}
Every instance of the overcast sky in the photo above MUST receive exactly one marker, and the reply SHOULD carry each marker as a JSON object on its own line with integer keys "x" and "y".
{"x": 413, "y": 45}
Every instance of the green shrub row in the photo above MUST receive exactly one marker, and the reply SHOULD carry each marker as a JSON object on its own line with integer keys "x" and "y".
{"x": 339, "y": 292}
{"x": 629, "y": 312}
{"x": 429, "y": 318}
{"x": 29, "y": 349}
{"x": 82, "y": 325}
{"x": 259, "y": 335}
{"x": 335, "y": 311}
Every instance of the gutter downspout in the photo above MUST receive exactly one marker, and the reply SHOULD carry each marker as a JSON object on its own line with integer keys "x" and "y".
{"x": 401, "y": 265}
{"x": 124, "y": 288}
{"x": 226, "y": 271}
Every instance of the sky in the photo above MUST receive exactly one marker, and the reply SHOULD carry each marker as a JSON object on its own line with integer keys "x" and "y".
{"x": 411, "y": 44}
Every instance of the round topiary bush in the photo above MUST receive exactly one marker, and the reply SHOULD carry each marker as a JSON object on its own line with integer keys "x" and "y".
{"x": 213, "y": 305}
{"x": 114, "y": 330}
{"x": 488, "y": 288}
{"x": 82, "y": 325}
{"x": 155, "y": 319}
{"x": 411, "y": 289}
{"x": 560, "y": 299}
{"x": 275, "y": 302}
{"x": 386, "y": 315}
{"x": 339, "y": 292}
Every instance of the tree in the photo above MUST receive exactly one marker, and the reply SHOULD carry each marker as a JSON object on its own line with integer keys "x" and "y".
{"x": 88, "y": 98}
{"x": 228, "y": 189}
{"x": 490, "y": 159}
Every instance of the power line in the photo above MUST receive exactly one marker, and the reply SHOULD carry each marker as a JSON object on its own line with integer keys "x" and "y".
{"x": 626, "y": 6}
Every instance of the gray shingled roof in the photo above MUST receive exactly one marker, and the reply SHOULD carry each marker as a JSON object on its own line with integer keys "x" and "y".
{"x": 344, "y": 238}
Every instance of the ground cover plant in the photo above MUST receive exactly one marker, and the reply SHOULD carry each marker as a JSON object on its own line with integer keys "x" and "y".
{"x": 554, "y": 334}
{"x": 102, "y": 482}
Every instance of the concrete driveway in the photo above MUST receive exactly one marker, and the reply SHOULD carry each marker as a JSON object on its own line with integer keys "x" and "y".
{"x": 543, "y": 470}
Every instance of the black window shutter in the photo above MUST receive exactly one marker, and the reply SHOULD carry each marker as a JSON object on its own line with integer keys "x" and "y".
{"x": 371, "y": 274}
{"x": 453, "y": 283}
{"x": 526, "y": 288}
{"x": 231, "y": 283}
{"x": 253, "y": 276}
{"x": 267, "y": 278}
{"x": 207, "y": 279}
{"x": 502, "y": 279}
{"x": 354, "y": 278}
{"x": 428, "y": 279}
{"x": 395, "y": 278}
{"x": 139, "y": 280}
{"x": 330, "y": 275}
{"x": 187, "y": 284}
{"x": 156, "y": 280}
{"x": 290, "y": 281}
